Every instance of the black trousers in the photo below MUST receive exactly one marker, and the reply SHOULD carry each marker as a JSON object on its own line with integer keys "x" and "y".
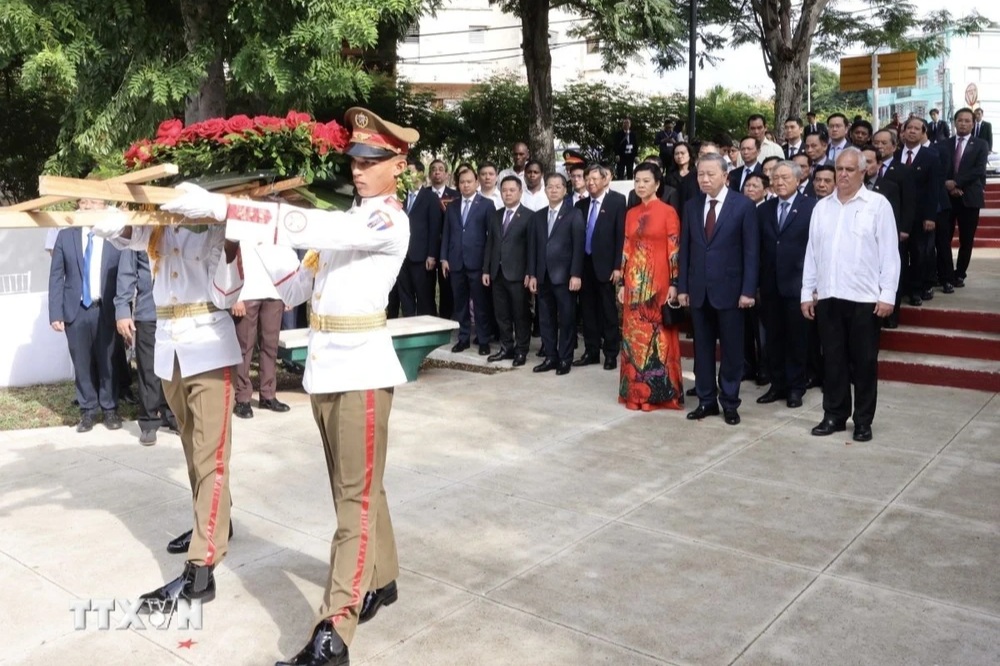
{"x": 726, "y": 326}
{"x": 446, "y": 299}
{"x": 510, "y": 303}
{"x": 814, "y": 353}
{"x": 599, "y": 309}
{"x": 122, "y": 368}
{"x": 904, "y": 276}
{"x": 415, "y": 286}
{"x": 754, "y": 357}
{"x": 153, "y": 409}
{"x": 943, "y": 234}
{"x": 967, "y": 220}
{"x": 787, "y": 342}
{"x": 557, "y": 320}
{"x": 465, "y": 285}
{"x": 625, "y": 168}
{"x": 920, "y": 250}
{"x": 91, "y": 338}
{"x": 850, "y": 334}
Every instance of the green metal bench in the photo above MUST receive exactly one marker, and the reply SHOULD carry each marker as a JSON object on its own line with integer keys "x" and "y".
{"x": 412, "y": 337}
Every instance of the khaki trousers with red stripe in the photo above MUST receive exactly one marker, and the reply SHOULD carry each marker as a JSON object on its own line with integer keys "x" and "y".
{"x": 355, "y": 427}
{"x": 203, "y": 405}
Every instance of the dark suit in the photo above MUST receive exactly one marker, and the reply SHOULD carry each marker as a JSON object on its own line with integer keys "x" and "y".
{"x": 814, "y": 128}
{"x": 715, "y": 272}
{"x": 927, "y": 179}
{"x": 463, "y": 246}
{"x": 791, "y": 152}
{"x": 90, "y": 331}
{"x": 984, "y": 131}
{"x": 626, "y": 147}
{"x": 506, "y": 262}
{"x": 446, "y": 299}
{"x": 970, "y": 177}
{"x": 415, "y": 282}
{"x": 782, "y": 254}
{"x": 668, "y": 195}
{"x": 598, "y": 300}
{"x": 557, "y": 257}
{"x": 938, "y": 130}
{"x": 736, "y": 176}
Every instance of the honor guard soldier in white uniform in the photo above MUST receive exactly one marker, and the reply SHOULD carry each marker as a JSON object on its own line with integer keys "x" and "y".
{"x": 352, "y": 366}
{"x": 196, "y": 278}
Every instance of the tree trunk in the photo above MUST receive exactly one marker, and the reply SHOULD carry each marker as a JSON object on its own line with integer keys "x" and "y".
{"x": 538, "y": 65}
{"x": 789, "y": 78}
{"x": 204, "y": 22}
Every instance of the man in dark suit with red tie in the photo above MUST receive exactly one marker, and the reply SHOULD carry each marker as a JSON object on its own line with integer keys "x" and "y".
{"x": 463, "y": 244}
{"x": 604, "y": 214}
{"x": 784, "y": 234}
{"x": 555, "y": 269}
{"x": 965, "y": 182}
{"x": 505, "y": 270}
{"x": 719, "y": 264}
{"x": 416, "y": 278}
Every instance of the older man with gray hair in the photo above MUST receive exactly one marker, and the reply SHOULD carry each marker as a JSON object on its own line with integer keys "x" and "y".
{"x": 849, "y": 281}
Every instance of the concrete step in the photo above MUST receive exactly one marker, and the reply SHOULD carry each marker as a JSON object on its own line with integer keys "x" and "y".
{"x": 937, "y": 370}
{"x": 946, "y": 320}
{"x": 980, "y": 242}
{"x": 942, "y": 342}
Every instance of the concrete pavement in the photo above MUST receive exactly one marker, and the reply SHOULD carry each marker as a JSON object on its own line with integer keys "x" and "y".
{"x": 539, "y": 522}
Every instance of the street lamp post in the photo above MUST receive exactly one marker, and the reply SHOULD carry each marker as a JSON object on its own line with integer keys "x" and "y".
{"x": 692, "y": 57}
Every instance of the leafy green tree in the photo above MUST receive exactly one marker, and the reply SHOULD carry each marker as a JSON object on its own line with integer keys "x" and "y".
{"x": 827, "y": 97}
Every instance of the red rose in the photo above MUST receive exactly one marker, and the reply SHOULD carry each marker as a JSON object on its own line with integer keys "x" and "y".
{"x": 239, "y": 124}
{"x": 294, "y": 119}
{"x": 269, "y": 123}
{"x": 339, "y": 135}
{"x": 139, "y": 154}
{"x": 211, "y": 129}
{"x": 331, "y": 136}
{"x": 169, "y": 132}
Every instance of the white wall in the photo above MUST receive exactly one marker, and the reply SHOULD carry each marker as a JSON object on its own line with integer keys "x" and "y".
{"x": 976, "y": 59}
{"x": 30, "y": 351}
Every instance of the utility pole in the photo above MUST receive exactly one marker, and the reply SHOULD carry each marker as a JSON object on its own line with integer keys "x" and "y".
{"x": 692, "y": 58}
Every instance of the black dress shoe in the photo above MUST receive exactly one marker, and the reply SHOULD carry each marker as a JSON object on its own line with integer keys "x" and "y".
{"x": 502, "y": 355}
{"x": 459, "y": 347}
{"x": 891, "y": 322}
{"x": 170, "y": 423}
{"x": 325, "y": 648}
{"x": 732, "y": 416}
{"x": 112, "y": 419}
{"x": 794, "y": 400}
{"x": 828, "y": 427}
{"x": 128, "y": 397}
{"x": 959, "y": 282}
{"x": 541, "y": 353}
{"x": 197, "y": 582}
{"x": 564, "y": 368}
{"x": 375, "y": 599}
{"x": 180, "y": 544}
{"x": 916, "y": 301}
{"x": 273, "y": 404}
{"x": 691, "y": 392}
{"x": 519, "y": 360}
{"x": 545, "y": 366}
{"x": 763, "y": 379}
{"x": 587, "y": 359}
{"x": 814, "y": 382}
{"x": 86, "y": 423}
{"x": 610, "y": 363}
{"x": 243, "y": 410}
{"x": 484, "y": 350}
{"x": 948, "y": 288}
{"x": 701, "y": 411}
{"x": 771, "y": 396}
{"x": 928, "y": 295}
{"x": 862, "y": 433}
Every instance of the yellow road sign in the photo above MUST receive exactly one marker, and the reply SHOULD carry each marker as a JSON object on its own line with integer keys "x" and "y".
{"x": 894, "y": 69}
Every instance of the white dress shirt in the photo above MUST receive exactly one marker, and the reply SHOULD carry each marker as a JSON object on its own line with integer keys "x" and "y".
{"x": 96, "y": 256}
{"x": 50, "y": 238}
{"x": 510, "y": 172}
{"x": 853, "y": 252}
{"x": 493, "y": 196}
{"x": 907, "y": 150}
{"x": 834, "y": 150}
{"x": 192, "y": 269}
{"x": 769, "y": 148}
{"x": 720, "y": 198}
{"x": 534, "y": 200}
{"x": 577, "y": 196}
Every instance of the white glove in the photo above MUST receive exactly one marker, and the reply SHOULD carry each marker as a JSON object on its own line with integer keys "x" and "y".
{"x": 197, "y": 203}
{"x": 112, "y": 225}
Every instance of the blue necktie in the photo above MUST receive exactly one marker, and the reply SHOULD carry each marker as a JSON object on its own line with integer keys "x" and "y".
{"x": 410, "y": 198}
{"x": 782, "y": 214}
{"x": 465, "y": 211}
{"x": 87, "y": 254}
{"x": 591, "y": 223}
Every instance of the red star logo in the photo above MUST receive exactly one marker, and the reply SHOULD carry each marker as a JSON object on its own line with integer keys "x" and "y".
{"x": 186, "y": 644}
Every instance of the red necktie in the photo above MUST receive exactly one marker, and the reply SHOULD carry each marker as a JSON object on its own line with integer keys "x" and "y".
{"x": 710, "y": 219}
{"x": 909, "y": 157}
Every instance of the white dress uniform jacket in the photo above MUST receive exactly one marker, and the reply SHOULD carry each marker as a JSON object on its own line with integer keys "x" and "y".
{"x": 360, "y": 254}
{"x": 192, "y": 269}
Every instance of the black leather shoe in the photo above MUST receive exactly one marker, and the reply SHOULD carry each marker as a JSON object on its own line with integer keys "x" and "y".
{"x": 771, "y": 396}
{"x": 564, "y": 368}
{"x": 180, "y": 544}
{"x": 948, "y": 288}
{"x": 763, "y": 379}
{"x": 794, "y": 400}
{"x": 545, "y": 366}
{"x": 862, "y": 433}
{"x": 828, "y": 427}
{"x": 86, "y": 423}
{"x": 502, "y": 355}
{"x": 519, "y": 360}
{"x": 916, "y": 301}
{"x": 610, "y": 363}
{"x": 484, "y": 350}
{"x": 325, "y": 648}
{"x": 959, "y": 282}
{"x": 112, "y": 419}
{"x": 273, "y": 404}
{"x": 732, "y": 416}
{"x": 928, "y": 295}
{"x": 587, "y": 359}
{"x": 375, "y": 599}
{"x": 541, "y": 353}
{"x": 243, "y": 410}
{"x": 701, "y": 411}
{"x": 170, "y": 423}
{"x": 459, "y": 347}
{"x": 813, "y": 382}
{"x": 197, "y": 582}
{"x": 128, "y": 397}
{"x": 691, "y": 392}
{"x": 891, "y": 322}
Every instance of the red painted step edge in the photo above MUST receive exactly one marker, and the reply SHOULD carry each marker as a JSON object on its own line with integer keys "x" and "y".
{"x": 922, "y": 342}
{"x": 914, "y": 373}
{"x": 960, "y": 320}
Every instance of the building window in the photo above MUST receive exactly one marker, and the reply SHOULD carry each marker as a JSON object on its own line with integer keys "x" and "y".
{"x": 412, "y": 35}
{"x": 921, "y": 80}
{"x": 593, "y": 45}
{"x": 477, "y": 34}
